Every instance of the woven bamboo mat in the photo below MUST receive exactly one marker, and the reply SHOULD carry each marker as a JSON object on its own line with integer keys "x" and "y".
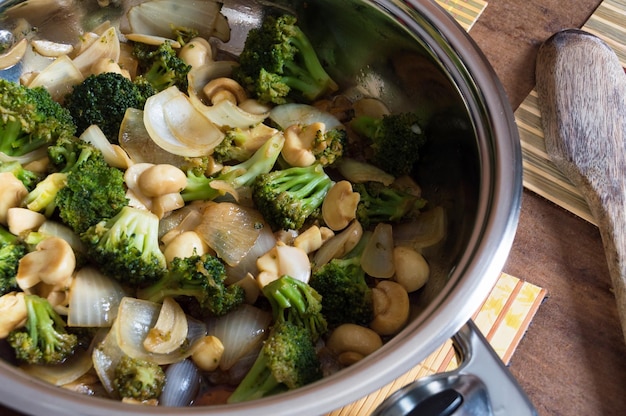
{"x": 540, "y": 175}
{"x": 503, "y": 318}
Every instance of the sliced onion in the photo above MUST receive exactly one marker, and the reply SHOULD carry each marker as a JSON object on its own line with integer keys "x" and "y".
{"x": 94, "y": 299}
{"x": 338, "y": 245}
{"x": 156, "y": 17}
{"x": 264, "y": 243}
{"x": 359, "y": 172}
{"x": 426, "y": 231}
{"x": 182, "y": 382}
{"x": 14, "y": 55}
{"x": 152, "y": 40}
{"x": 377, "y": 259}
{"x": 188, "y": 125}
{"x": 226, "y": 113}
{"x": 94, "y": 136}
{"x": 59, "y": 78}
{"x": 135, "y": 318}
{"x": 106, "y": 47}
{"x": 51, "y": 49}
{"x": 286, "y": 115}
{"x": 158, "y": 127}
{"x": 240, "y": 331}
{"x": 231, "y": 230}
{"x": 106, "y": 355}
{"x": 29, "y": 157}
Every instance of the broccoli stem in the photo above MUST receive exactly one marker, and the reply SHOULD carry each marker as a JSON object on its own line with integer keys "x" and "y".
{"x": 259, "y": 382}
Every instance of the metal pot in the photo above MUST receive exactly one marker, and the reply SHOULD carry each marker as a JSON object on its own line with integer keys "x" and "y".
{"x": 413, "y": 56}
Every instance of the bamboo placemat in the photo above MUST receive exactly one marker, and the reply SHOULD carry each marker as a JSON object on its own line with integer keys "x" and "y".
{"x": 503, "y": 318}
{"x": 608, "y": 22}
{"x": 465, "y": 12}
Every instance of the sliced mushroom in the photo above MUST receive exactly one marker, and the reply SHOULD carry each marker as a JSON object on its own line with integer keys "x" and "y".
{"x": 12, "y": 193}
{"x": 351, "y": 343}
{"x": 169, "y": 331}
{"x": 185, "y": 244}
{"x": 391, "y": 307}
{"x": 13, "y": 311}
{"x": 213, "y": 90}
{"x": 161, "y": 179}
{"x": 412, "y": 269}
{"x": 339, "y": 245}
{"x": 339, "y": 206}
{"x": 196, "y": 52}
{"x": 20, "y": 220}
{"x": 207, "y": 353}
{"x": 53, "y": 262}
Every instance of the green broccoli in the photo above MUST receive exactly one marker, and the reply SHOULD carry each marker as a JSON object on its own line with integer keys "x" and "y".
{"x": 240, "y": 144}
{"x": 43, "y": 197}
{"x": 12, "y": 249}
{"x": 243, "y": 174}
{"x": 138, "y": 379}
{"x": 126, "y": 247}
{"x": 287, "y": 360}
{"x": 161, "y": 66}
{"x": 30, "y": 119}
{"x": 278, "y": 63}
{"x": 27, "y": 177}
{"x": 329, "y": 145}
{"x": 199, "y": 277}
{"x": 296, "y": 302}
{"x": 287, "y": 198}
{"x": 102, "y": 99}
{"x": 343, "y": 286}
{"x": 44, "y": 339}
{"x": 94, "y": 192}
{"x": 380, "y": 203}
{"x": 395, "y": 140}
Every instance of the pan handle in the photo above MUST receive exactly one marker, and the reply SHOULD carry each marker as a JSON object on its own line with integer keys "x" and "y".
{"x": 481, "y": 385}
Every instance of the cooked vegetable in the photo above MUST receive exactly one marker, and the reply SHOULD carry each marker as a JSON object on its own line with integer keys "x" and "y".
{"x": 379, "y": 203}
{"x": 296, "y": 302}
{"x": 161, "y": 66}
{"x": 103, "y": 99}
{"x": 126, "y": 246}
{"x": 12, "y": 249}
{"x": 288, "y": 197}
{"x": 30, "y": 119}
{"x": 395, "y": 139}
{"x": 26, "y": 176}
{"x": 198, "y": 277}
{"x": 288, "y": 360}
{"x": 138, "y": 379}
{"x": 278, "y": 63}
{"x": 44, "y": 339}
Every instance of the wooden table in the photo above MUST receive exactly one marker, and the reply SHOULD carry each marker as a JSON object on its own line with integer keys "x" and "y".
{"x": 572, "y": 361}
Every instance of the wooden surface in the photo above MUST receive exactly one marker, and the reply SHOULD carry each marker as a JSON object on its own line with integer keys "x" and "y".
{"x": 572, "y": 361}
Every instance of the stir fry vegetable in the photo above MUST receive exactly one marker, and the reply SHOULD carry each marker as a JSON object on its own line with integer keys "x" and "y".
{"x": 174, "y": 218}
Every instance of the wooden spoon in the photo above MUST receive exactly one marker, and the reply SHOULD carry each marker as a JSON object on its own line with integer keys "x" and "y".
{"x": 582, "y": 98}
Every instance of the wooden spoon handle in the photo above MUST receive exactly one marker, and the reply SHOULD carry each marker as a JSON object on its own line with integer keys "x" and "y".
{"x": 582, "y": 97}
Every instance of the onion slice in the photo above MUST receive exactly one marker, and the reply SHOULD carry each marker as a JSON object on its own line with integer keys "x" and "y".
{"x": 134, "y": 320}
{"x": 240, "y": 331}
{"x": 94, "y": 299}
{"x": 182, "y": 382}
{"x": 286, "y": 115}
{"x": 59, "y": 78}
{"x": 231, "y": 230}
{"x": 105, "y": 47}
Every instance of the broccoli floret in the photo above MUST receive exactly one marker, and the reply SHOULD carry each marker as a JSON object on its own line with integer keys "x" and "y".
{"x": 287, "y": 198}
{"x": 12, "y": 249}
{"x": 287, "y": 360}
{"x": 30, "y": 119}
{"x": 296, "y": 302}
{"x": 161, "y": 66}
{"x": 126, "y": 247}
{"x": 346, "y": 295}
{"x": 395, "y": 140}
{"x": 27, "y": 177}
{"x": 278, "y": 63}
{"x": 240, "y": 144}
{"x": 102, "y": 99}
{"x": 92, "y": 193}
{"x": 329, "y": 145}
{"x": 138, "y": 379}
{"x": 43, "y": 197}
{"x": 44, "y": 339}
{"x": 200, "y": 277}
{"x": 199, "y": 186}
{"x": 380, "y": 203}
